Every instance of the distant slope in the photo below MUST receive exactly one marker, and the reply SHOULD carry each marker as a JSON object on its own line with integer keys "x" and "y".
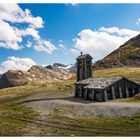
{"x": 36, "y": 74}
{"x": 65, "y": 69}
{"x": 14, "y": 78}
{"x": 129, "y": 72}
{"x": 127, "y": 55}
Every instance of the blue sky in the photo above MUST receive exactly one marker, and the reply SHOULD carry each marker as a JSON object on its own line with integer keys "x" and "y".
{"x": 68, "y": 29}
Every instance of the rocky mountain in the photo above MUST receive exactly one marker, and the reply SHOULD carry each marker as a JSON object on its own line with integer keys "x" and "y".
{"x": 127, "y": 55}
{"x": 62, "y": 68}
{"x": 14, "y": 78}
{"x": 36, "y": 74}
{"x": 59, "y": 65}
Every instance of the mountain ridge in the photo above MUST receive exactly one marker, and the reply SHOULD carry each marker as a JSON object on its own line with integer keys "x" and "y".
{"x": 127, "y": 55}
{"x": 36, "y": 74}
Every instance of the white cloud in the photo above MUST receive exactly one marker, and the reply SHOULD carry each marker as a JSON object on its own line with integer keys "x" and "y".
{"x": 14, "y": 14}
{"x": 44, "y": 45}
{"x": 61, "y": 45}
{"x": 8, "y": 38}
{"x": 60, "y": 41}
{"x": 63, "y": 48}
{"x": 29, "y": 44}
{"x": 138, "y": 21}
{"x": 9, "y": 45}
{"x": 72, "y": 4}
{"x": 75, "y": 51}
{"x": 11, "y": 36}
{"x": 119, "y": 32}
{"x": 28, "y": 32}
{"x": 101, "y": 42}
{"x": 16, "y": 63}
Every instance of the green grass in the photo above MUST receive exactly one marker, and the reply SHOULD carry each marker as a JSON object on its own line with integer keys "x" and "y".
{"x": 125, "y": 126}
{"x": 57, "y": 112}
{"x": 11, "y": 109}
{"x": 37, "y": 88}
{"x": 129, "y": 100}
{"x": 135, "y": 99}
{"x": 21, "y": 90}
{"x": 64, "y": 86}
{"x": 10, "y": 112}
{"x": 131, "y": 73}
{"x": 123, "y": 53}
{"x": 10, "y": 125}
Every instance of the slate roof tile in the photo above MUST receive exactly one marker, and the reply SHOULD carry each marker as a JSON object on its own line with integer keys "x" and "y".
{"x": 98, "y": 83}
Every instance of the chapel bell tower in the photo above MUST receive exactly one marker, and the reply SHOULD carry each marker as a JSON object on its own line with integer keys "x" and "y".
{"x": 84, "y": 67}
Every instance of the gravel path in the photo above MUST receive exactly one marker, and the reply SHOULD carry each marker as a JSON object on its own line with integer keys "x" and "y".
{"x": 67, "y": 105}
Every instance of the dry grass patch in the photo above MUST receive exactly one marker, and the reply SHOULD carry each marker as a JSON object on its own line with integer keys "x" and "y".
{"x": 131, "y": 73}
{"x": 135, "y": 99}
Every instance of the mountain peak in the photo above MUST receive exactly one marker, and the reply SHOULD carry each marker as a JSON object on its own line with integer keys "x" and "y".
{"x": 135, "y": 42}
{"x": 127, "y": 54}
{"x": 36, "y": 74}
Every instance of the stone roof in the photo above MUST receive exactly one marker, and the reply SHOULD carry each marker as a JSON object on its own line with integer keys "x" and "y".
{"x": 98, "y": 83}
{"x": 83, "y": 56}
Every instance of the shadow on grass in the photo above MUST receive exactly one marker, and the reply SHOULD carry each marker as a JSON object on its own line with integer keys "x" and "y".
{"x": 70, "y": 99}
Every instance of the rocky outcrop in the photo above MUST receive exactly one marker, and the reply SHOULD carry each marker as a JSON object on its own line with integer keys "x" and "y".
{"x": 49, "y": 67}
{"x": 39, "y": 72}
{"x": 36, "y": 74}
{"x": 14, "y": 78}
{"x": 127, "y": 55}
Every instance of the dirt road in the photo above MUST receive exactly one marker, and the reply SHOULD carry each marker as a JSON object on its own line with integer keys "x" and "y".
{"x": 63, "y": 104}
{"x": 69, "y": 106}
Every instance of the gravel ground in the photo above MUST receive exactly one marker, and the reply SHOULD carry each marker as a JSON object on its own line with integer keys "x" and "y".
{"x": 74, "y": 107}
{"x": 52, "y": 103}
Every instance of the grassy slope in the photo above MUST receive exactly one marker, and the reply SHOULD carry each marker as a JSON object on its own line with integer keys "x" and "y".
{"x": 23, "y": 90}
{"x": 82, "y": 127}
{"x": 94, "y": 127}
{"x": 126, "y": 54}
{"x": 131, "y": 50}
{"x": 35, "y": 88}
{"x": 12, "y": 113}
{"x": 10, "y": 110}
{"x": 131, "y": 73}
